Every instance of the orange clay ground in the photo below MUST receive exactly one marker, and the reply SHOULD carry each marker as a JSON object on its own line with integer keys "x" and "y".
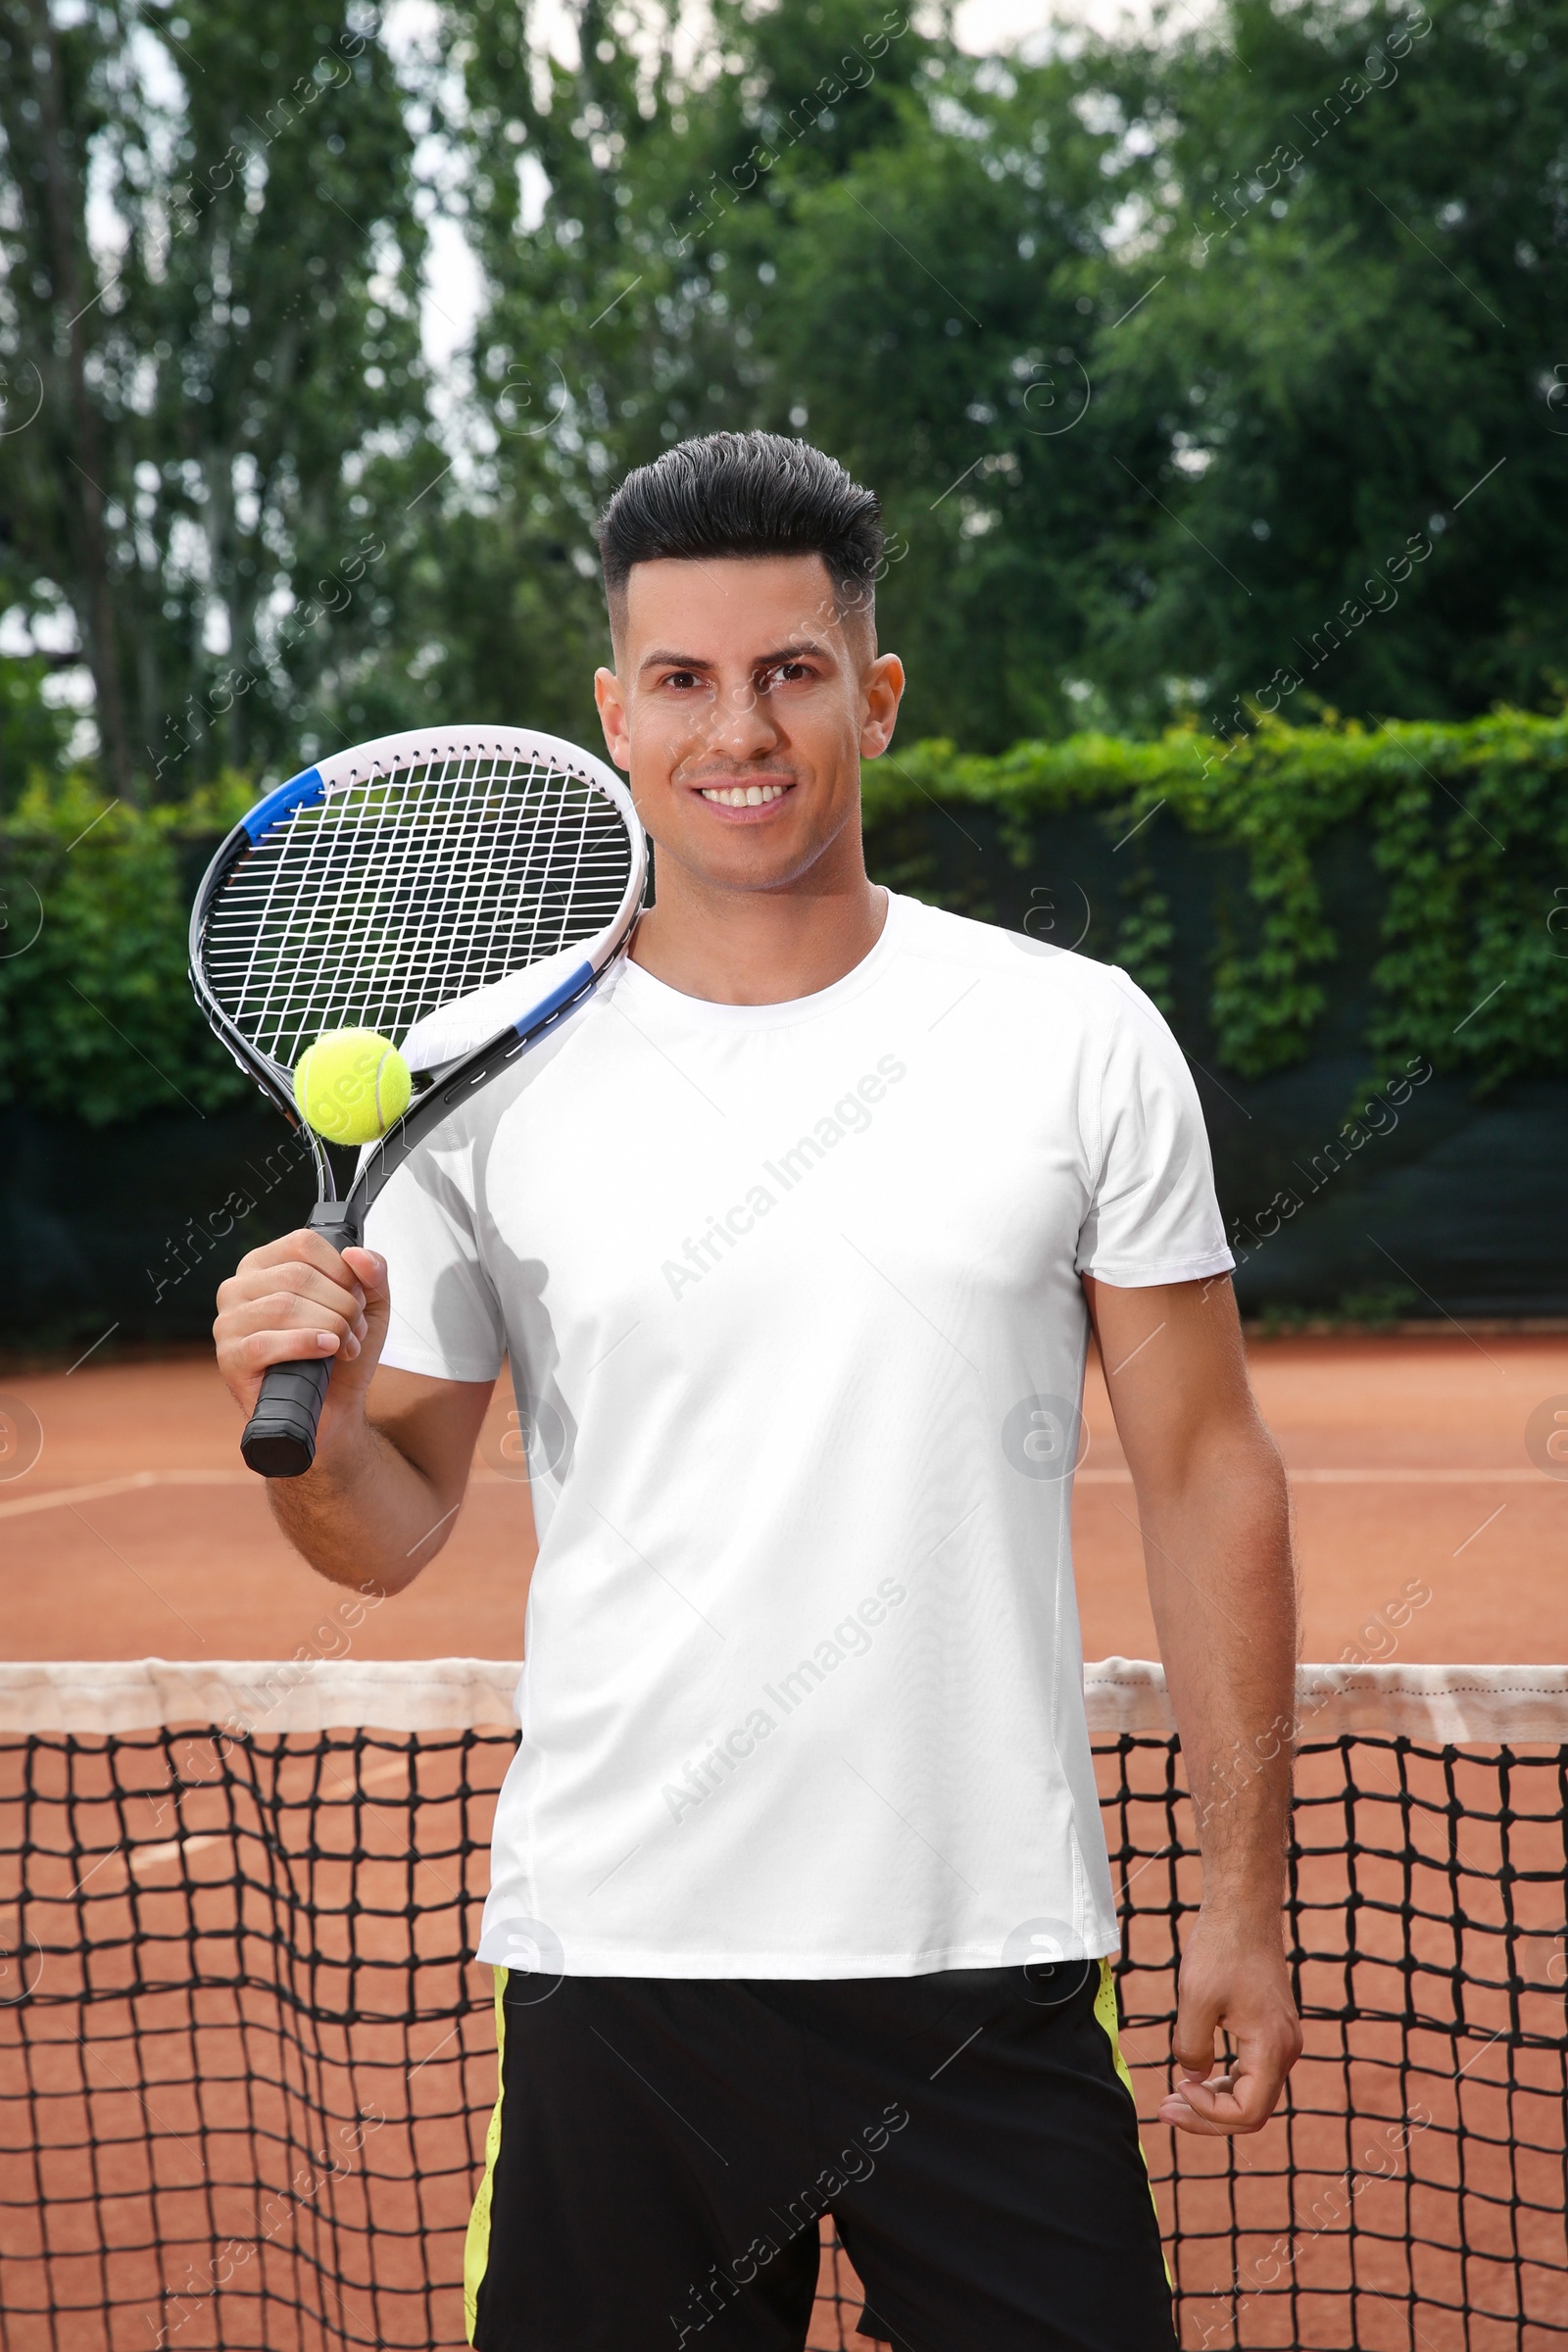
{"x": 138, "y": 1531}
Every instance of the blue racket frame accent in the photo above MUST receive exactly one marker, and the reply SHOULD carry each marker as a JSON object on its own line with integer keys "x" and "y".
{"x": 563, "y": 994}
{"x": 310, "y": 785}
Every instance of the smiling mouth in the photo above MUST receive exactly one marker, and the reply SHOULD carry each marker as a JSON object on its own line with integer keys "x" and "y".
{"x": 742, "y": 796}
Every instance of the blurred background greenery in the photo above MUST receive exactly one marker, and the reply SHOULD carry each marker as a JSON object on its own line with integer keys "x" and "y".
{"x": 1213, "y": 372}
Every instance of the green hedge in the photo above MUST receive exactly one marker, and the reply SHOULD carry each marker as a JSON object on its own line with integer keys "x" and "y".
{"x": 96, "y": 1013}
{"x": 1465, "y": 829}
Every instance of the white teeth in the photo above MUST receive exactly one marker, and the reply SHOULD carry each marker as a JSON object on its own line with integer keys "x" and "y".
{"x": 744, "y": 795}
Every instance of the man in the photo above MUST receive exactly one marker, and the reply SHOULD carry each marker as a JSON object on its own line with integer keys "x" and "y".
{"x": 793, "y": 1235}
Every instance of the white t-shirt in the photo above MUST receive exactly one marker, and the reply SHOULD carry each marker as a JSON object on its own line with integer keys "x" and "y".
{"x": 791, "y": 1298}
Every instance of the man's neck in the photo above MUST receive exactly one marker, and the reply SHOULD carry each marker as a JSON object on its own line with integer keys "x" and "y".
{"x": 734, "y": 947}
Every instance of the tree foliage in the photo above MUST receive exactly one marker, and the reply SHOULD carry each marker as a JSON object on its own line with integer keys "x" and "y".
{"x": 1166, "y": 354}
{"x": 212, "y": 280}
{"x": 1160, "y": 355}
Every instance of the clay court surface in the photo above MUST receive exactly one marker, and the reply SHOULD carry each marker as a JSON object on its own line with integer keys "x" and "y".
{"x": 138, "y": 1532}
{"x": 161, "y": 2111}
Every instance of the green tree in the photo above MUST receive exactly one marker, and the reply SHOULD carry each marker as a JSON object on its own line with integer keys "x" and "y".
{"x": 33, "y": 734}
{"x": 1215, "y": 373}
{"x": 1158, "y": 352}
{"x": 630, "y": 234}
{"x": 1357, "y": 346}
{"x": 933, "y": 322}
{"x": 212, "y": 260}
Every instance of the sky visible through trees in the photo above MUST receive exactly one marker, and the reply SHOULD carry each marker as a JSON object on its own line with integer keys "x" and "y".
{"x": 1209, "y": 371}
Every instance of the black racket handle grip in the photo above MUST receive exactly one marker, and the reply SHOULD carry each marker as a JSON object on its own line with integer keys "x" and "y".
{"x": 280, "y": 1440}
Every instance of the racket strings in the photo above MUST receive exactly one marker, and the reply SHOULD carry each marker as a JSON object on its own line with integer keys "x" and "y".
{"x": 377, "y": 903}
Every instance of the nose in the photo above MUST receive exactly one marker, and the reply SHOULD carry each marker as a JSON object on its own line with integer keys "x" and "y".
{"x": 739, "y": 725}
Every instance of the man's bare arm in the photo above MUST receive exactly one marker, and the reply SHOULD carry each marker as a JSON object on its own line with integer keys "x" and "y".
{"x": 1214, "y": 1512}
{"x": 391, "y": 1462}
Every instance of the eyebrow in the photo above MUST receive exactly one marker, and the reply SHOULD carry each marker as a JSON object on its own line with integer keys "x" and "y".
{"x": 662, "y": 660}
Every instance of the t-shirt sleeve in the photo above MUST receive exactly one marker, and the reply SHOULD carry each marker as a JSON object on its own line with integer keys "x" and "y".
{"x": 446, "y": 1318}
{"x": 1153, "y": 1214}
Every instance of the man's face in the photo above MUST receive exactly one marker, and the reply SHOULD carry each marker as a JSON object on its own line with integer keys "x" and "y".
{"x": 740, "y": 705}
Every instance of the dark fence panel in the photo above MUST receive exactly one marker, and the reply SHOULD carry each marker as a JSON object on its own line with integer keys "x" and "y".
{"x": 135, "y": 1226}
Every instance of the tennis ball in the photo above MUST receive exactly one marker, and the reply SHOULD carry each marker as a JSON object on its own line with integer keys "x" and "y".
{"x": 351, "y": 1084}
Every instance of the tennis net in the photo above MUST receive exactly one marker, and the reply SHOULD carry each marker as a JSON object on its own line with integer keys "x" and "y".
{"x": 246, "y": 2063}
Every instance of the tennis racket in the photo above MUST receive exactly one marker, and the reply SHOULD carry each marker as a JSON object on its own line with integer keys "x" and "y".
{"x": 460, "y": 890}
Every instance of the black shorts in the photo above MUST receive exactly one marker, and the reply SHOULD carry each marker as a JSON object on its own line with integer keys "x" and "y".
{"x": 663, "y": 2150}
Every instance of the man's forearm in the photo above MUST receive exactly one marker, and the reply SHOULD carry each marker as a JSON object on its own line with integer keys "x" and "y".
{"x": 363, "y": 1515}
{"x": 1222, "y": 1586}
{"x": 1215, "y": 1511}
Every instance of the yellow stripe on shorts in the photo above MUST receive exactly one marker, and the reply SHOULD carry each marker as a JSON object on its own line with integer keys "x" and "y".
{"x": 1106, "y": 2013}
{"x": 476, "y": 2245}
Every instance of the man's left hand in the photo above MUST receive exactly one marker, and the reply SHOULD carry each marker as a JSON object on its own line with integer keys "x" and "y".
{"x": 1233, "y": 1975}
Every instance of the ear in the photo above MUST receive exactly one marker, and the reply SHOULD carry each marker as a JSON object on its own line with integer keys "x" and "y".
{"x": 613, "y": 717}
{"x": 881, "y": 691}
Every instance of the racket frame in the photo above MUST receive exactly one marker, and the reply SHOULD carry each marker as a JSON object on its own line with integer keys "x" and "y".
{"x": 340, "y": 1219}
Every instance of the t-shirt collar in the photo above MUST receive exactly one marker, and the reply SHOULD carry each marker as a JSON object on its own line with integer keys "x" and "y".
{"x": 669, "y": 1004}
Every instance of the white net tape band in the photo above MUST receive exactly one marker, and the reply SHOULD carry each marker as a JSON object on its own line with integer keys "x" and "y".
{"x": 1438, "y": 1705}
{"x": 1441, "y": 1706}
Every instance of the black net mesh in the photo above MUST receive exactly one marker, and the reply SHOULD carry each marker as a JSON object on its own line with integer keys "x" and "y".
{"x": 246, "y": 2067}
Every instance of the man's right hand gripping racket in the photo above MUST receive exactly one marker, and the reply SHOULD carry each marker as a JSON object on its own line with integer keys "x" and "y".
{"x": 456, "y": 890}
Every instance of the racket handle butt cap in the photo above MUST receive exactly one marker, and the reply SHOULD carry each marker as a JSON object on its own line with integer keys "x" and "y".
{"x": 280, "y": 1440}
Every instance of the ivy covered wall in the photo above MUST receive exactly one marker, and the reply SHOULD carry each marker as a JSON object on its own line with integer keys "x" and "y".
{"x": 1260, "y": 889}
{"x": 1360, "y": 937}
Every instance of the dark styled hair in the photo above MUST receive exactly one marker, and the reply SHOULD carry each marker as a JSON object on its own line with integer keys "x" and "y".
{"x": 745, "y": 494}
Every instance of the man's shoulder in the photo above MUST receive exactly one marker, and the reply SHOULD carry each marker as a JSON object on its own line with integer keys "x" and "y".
{"x": 1033, "y": 970}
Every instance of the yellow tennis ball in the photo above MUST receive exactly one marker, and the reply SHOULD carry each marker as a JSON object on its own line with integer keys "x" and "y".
{"x": 351, "y": 1084}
